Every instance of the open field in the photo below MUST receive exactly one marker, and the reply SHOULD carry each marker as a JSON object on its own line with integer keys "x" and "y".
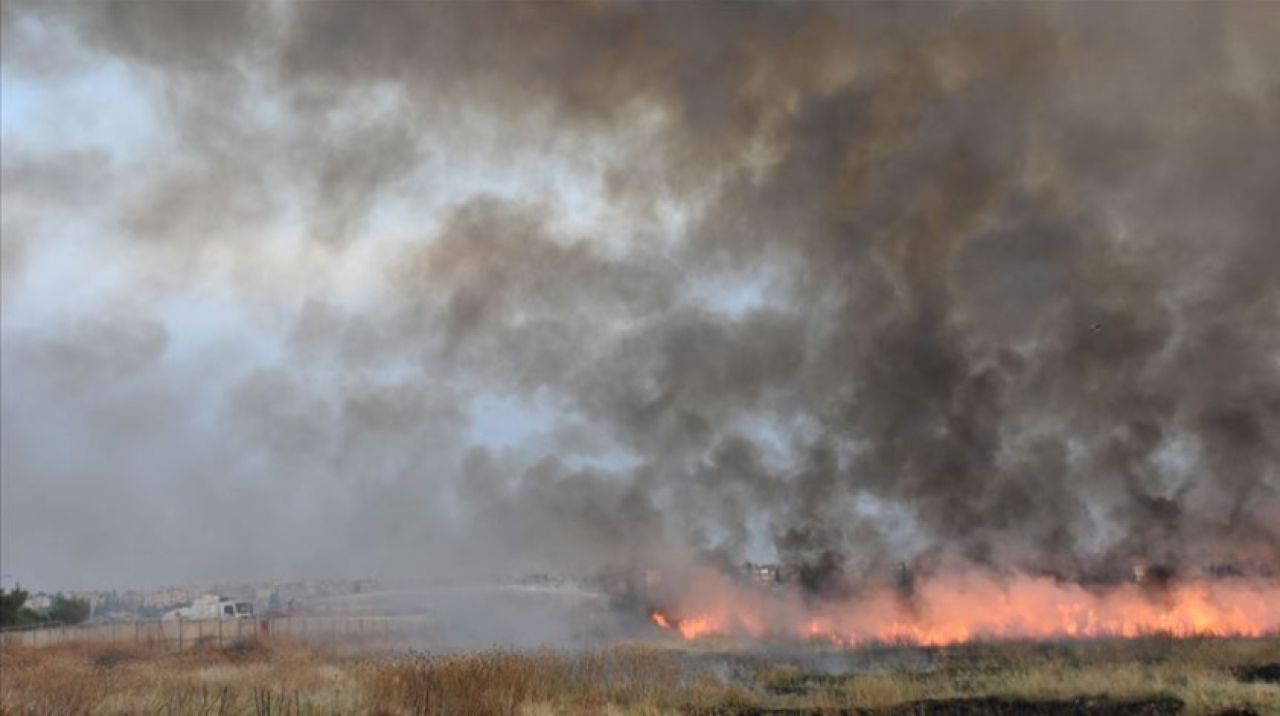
{"x": 1148, "y": 676}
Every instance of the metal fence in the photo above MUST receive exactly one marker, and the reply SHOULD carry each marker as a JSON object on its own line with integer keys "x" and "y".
{"x": 181, "y": 634}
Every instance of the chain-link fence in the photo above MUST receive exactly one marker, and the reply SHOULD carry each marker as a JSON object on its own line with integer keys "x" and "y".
{"x": 180, "y": 634}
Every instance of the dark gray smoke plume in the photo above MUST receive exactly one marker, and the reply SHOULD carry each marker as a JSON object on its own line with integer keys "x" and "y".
{"x": 839, "y": 285}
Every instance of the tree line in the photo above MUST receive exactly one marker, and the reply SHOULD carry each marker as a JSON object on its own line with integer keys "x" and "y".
{"x": 63, "y": 610}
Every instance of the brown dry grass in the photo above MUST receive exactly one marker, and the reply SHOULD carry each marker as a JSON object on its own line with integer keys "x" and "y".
{"x": 283, "y": 678}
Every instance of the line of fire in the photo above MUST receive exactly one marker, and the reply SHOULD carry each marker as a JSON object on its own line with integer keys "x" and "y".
{"x": 930, "y": 605}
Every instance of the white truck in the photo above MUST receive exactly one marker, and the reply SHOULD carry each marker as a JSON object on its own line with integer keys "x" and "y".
{"x": 212, "y": 606}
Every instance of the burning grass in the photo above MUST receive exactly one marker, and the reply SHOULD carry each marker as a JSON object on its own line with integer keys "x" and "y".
{"x": 961, "y": 606}
{"x": 1160, "y": 675}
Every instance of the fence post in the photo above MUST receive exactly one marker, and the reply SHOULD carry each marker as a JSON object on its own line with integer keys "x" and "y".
{"x": 180, "y": 644}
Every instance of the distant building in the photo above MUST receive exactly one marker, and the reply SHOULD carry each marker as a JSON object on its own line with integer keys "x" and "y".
{"x": 169, "y": 597}
{"x": 763, "y": 573}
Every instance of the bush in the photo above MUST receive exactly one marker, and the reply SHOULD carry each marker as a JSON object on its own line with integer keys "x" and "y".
{"x": 13, "y": 609}
{"x": 69, "y": 610}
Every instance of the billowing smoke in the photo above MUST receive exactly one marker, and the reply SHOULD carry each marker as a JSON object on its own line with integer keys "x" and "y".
{"x": 835, "y": 285}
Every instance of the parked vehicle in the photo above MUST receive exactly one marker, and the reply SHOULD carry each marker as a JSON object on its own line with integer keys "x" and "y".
{"x": 212, "y": 606}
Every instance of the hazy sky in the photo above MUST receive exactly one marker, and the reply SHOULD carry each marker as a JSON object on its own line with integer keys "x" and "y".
{"x": 400, "y": 289}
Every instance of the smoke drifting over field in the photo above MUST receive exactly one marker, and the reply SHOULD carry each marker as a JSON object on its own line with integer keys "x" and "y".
{"x": 837, "y": 285}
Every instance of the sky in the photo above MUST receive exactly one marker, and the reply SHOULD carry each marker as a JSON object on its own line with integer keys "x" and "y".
{"x": 427, "y": 291}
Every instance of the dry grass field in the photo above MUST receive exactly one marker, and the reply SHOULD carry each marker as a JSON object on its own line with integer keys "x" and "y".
{"x": 1147, "y": 676}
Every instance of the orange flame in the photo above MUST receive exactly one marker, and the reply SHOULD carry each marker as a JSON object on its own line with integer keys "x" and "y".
{"x": 967, "y": 606}
{"x": 696, "y": 627}
{"x": 688, "y": 628}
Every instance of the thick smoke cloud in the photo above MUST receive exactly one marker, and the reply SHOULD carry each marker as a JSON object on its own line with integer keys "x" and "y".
{"x": 839, "y": 285}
